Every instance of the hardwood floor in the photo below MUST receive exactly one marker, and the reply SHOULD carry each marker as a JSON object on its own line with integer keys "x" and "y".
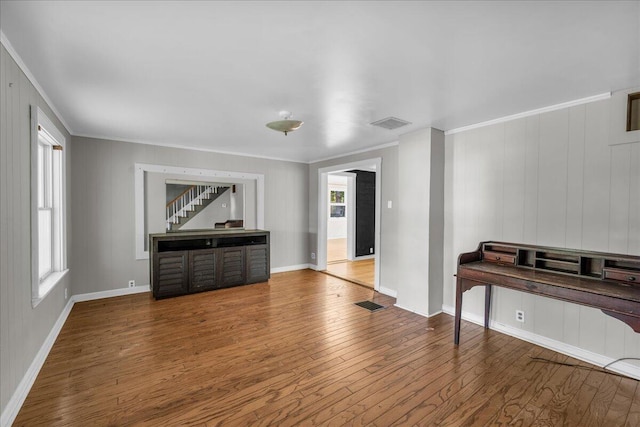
{"x": 360, "y": 272}
{"x": 297, "y": 351}
{"x": 336, "y": 250}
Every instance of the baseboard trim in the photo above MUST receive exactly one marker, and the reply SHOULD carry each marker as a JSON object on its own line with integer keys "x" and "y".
{"x": 411, "y": 310}
{"x": 15, "y": 403}
{"x": 289, "y": 268}
{"x": 623, "y": 368}
{"x": 388, "y": 292}
{"x": 111, "y": 293}
{"x": 418, "y": 312}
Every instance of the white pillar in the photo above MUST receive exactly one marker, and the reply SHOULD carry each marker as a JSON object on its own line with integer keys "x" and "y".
{"x": 421, "y": 221}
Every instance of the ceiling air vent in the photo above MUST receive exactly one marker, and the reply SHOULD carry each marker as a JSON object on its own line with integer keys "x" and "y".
{"x": 391, "y": 123}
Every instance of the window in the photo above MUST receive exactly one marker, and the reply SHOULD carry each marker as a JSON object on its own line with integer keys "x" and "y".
{"x": 48, "y": 256}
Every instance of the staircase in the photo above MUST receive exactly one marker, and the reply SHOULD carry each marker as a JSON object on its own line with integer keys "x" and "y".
{"x": 190, "y": 203}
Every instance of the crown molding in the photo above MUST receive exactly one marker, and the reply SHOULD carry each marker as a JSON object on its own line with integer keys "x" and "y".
{"x": 537, "y": 111}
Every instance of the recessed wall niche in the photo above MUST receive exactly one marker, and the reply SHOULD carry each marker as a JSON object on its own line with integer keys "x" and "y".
{"x": 624, "y": 108}
{"x": 633, "y": 112}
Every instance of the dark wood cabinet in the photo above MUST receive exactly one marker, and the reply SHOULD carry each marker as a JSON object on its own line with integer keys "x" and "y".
{"x": 188, "y": 262}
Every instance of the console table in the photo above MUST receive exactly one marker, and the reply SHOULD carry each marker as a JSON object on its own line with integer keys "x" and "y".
{"x": 609, "y": 282}
{"x": 195, "y": 261}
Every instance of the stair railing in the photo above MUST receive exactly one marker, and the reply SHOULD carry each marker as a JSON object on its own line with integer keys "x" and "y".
{"x": 187, "y": 201}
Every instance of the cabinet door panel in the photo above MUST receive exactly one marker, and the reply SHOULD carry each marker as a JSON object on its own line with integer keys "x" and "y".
{"x": 257, "y": 263}
{"x": 202, "y": 269}
{"x": 172, "y": 274}
{"x": 232, "y": 267}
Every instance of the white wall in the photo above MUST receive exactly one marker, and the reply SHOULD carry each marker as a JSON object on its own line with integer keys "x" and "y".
{"x": 420, "y": 221}
{"x": 103, "y": 207}
{"x": 549, "y": 179}
{"x": 237, "y": 201}
{"x": 23, "y": 329}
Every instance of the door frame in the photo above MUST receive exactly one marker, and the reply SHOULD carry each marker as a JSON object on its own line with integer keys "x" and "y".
{"x": 323, "y": 208}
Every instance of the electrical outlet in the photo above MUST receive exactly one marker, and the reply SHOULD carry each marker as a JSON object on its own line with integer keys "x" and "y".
{"x": 313, "y": 255}
{"x": 66, "y": 293}
{"x": 370, "y": 250}
{"x": 132, "y": 283}
{"x": 520, "y": 316}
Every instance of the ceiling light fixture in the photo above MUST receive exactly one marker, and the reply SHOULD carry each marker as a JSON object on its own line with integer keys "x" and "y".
{"x": 285, "y": 125}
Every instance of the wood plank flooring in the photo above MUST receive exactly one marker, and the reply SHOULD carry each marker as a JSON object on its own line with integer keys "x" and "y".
{"x": 336, "y": 250}
{"x": 297, "y": 351}
{"x": 360, "y": 272}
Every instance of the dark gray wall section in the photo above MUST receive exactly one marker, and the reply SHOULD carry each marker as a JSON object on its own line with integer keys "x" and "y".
{"x": 365, "y": 212}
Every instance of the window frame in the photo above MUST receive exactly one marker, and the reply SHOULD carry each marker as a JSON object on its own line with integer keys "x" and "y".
{"x": 45, "y": 136}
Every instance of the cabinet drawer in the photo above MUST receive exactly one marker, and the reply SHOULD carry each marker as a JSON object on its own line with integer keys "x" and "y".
{"x": 621, "y": 275}
{"x": 499, "y": 257}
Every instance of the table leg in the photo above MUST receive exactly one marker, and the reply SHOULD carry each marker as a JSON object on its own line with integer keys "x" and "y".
{"x": 456, "y": 334}
{"x": 487, "y": 305}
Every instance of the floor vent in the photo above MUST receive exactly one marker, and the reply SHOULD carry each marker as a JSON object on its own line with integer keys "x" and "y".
{"x": 391, "y": 123}
{"x": 370, "y": 305}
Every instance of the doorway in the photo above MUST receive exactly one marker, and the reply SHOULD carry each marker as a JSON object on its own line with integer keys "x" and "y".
{"x": 348, "y": 225}
{"x": 340, "y": 219}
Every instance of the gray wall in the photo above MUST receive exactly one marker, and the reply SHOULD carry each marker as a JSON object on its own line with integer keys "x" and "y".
{"x": 23, "y": 329}
{"x": 388, "y": 217}
{"x": 103, "y": 207}
{"x": 549, "y": 179}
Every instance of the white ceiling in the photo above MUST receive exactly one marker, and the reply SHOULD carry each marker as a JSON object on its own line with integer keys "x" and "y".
{"x": 209, "y": 75}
